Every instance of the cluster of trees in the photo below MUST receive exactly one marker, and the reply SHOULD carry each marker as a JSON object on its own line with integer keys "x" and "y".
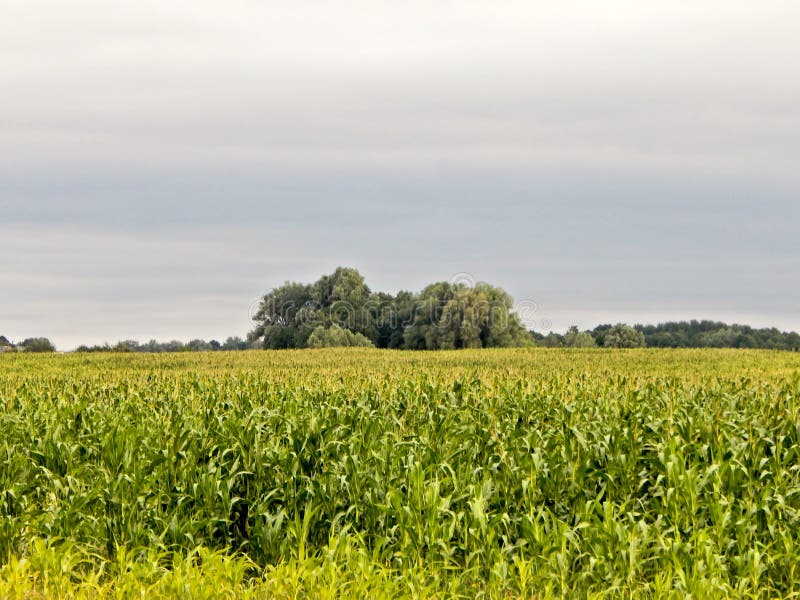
{"x": 713, "y": 334}
{"x": 605, "y": 336}
{"x": 340, "y": 310}
{"x": 38, "y": 344}
{"x": 232, "y": 343}
{"x": 681, "y": 334}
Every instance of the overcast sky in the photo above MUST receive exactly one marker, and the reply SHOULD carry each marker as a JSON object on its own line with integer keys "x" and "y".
{"x": 162, "y": 164}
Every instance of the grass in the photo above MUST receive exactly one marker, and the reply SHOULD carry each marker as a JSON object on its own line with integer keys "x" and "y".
{"x": 364, "y": 473}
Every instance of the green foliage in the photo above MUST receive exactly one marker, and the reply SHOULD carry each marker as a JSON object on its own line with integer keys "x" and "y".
{"x": 334, "y": 336}
{"x": 198, "y": 345}
{"x": 234, "y": 343}
{"x": 578, "y": 339}
{"x": 359, "y": 473}
{"x": 551, "y": 340}
{"x": 623, "y": 336}
{"x": 683, "y": 334}
{"x": 442, "y": 316}
{"x": 457, "y": 316}
{"x": 345, "y": 287}
{"x": 704, "y": 334}
{"x": 39, "y": 344}
{"x": 153, "y": 346}
{"x": 281, "y": 315}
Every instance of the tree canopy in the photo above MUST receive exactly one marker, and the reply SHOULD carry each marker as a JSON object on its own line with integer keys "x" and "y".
{"x": 444, "y": 315}
{"x": 677, "y": 334}
{"x": 196, "y": 345}
{"x": 578, "y": 339}
{"x": 40, "y": 344}
{"x": 713, "y": 334}
{"x": 335, "y": 336}
{"x": 623, "y": 336}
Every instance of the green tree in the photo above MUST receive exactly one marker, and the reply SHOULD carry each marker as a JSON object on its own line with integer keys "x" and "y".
{"x": 389, "y": 316}
{"x": 456, "y": 316}
{"x": 623, "y": 336}
{"x": 234, "y": 343}
{"x": 426, "y": 314}
{"x": 551, "y": 340}
{"x": 345, "y": 284}
{"x": 335, "y": 336}
{"x": 720, "y": 338}
{"x": 284, "y": 318}
{"x": 198, "y": 345}
{"x": 599, "y": 333}
{"x": 40, "y": 344}
{"x": 578, "y": 339}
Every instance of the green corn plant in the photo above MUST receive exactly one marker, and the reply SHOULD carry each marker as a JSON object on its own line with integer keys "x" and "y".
{"x": 525, "y": 473}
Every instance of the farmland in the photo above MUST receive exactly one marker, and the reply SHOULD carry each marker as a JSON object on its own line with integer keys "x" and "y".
{"x": 367, "y": 473}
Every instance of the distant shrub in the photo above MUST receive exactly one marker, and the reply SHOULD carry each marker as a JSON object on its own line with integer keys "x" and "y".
{"x": 37, "y": 345}
{"x": 624, "y": 336}
{"x": 329, "y": 337}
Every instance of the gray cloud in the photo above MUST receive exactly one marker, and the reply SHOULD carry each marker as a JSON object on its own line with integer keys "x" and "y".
{"x": 701, "y": 86}
{"x": 164, "y": 163}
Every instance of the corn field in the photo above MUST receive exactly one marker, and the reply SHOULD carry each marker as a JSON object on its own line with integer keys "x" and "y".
{"x": 527, "y": 473}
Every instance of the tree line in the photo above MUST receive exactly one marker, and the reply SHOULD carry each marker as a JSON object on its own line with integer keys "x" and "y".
{"x": 674, "y": 334}
{"x": 34, "y": 344}
{"x": 339, "y": 309}
{"x": 153, "y": 346}
{"x": 197, "y": 345}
